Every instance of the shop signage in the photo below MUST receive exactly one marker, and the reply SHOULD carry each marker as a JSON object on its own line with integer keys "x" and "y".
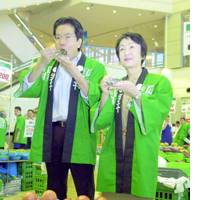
{"x": 29, "y": 127}
{"x": 186, "y": 39}
{"x": 5, "y": 71}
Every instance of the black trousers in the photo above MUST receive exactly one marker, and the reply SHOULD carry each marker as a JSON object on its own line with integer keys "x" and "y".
{"x": 82, "y": 174}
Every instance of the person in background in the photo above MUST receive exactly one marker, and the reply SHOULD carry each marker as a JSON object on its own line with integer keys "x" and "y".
{"x": 29, "y": 127}
{"x": 173, "y": 129}
{"x": 3, "y": 129}
{"x": 166, "y": 136}
{"x": 67, "y": 83}
{"x": 183, "y": 134}
{"x": 134, "y": 108}
{"x": 19, "y": 139}
{"x": 177, "y": 125}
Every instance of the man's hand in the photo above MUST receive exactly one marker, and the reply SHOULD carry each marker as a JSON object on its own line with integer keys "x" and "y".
{"x": 74, "y": 72}
{"x": 66, "y": 63}
{"x": 46, "y": 55}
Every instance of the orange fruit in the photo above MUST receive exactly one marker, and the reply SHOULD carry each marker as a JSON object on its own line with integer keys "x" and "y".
{"x": 49, "y": 195}
{"x": 83, "y": 197}
{"x": 30, "y": 196}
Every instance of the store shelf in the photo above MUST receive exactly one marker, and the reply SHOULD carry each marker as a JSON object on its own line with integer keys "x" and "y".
{"x": 12, "y": 161}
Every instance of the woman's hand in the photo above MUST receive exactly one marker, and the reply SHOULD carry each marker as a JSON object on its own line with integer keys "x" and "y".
{"x": 104, "y": 85}
{"x": 127, "y": 87}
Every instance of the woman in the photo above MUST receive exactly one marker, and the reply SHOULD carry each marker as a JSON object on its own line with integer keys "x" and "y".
{"x": 134, "y": 109}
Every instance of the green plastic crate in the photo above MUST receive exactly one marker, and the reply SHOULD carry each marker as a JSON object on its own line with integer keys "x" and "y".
{"x": 162, "y": 154}
{"x": 39, "y": 180}
{"x": 25, "y": 169}
{"x": 187, "y": 160}
{"x": 40, "y": 184}
{"x": 185, "y": 167}
{"x": 172, "y": 156}
{"x": 165, "y": 193}
{"x": 27, "y": 185}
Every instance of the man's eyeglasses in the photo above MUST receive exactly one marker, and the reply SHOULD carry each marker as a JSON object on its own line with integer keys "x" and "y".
{"x": 67, "y": 36}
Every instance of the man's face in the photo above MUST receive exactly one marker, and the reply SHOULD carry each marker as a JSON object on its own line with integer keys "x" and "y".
{"x": 129, "y": 53}
{"x": 17, "y": 112}
{"x": 167, "y": 119}
{"x": 30, "y": 114}
{"x": 182, "y": 120}
{"x": 65, "y": 38}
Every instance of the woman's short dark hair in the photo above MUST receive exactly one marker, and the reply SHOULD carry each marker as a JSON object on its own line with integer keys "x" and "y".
{"x": 73, "y": 22}
{"x": 137, "y": 38}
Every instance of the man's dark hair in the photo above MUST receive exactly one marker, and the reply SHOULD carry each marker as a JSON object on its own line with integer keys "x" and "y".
{"x": 73, "y": 22}
{"x": 18, "y": 108}
{"x": 1, "y": 114}
{"x": 137, "y": 38}
{"x": 183, "y": 118}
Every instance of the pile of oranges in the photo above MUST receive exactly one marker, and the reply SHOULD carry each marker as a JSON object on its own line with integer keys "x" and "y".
{"x": 51, "y": 195}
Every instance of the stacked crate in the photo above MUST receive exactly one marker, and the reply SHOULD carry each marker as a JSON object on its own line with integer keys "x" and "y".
{"x": 166, "y": 193}
{"x": 39, "y": 179}
{"x": 25, "y": 169}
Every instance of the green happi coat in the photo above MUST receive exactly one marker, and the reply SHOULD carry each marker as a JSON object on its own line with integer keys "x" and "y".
{"x": 182, "y": 133}
{"x": 80, "y": 144}
{"x": 3, "y": 129}
{"x": 133, "y": 171}
{"x": 20, "y": 126}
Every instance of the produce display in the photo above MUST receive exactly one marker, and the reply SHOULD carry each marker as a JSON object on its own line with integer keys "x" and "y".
{"x": 177, "y": 157}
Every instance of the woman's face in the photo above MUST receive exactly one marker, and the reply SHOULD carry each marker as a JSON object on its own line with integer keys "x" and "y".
{"x": 129, "y": 53}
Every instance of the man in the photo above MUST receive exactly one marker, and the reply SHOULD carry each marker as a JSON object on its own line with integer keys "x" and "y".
{"x": 3, "y": 129}
{"x": 67, "y": 84}
{"x": 19, "y": 140}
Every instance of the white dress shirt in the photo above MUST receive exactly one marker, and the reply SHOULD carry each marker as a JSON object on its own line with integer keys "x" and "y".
{"x": 61, "y": 96}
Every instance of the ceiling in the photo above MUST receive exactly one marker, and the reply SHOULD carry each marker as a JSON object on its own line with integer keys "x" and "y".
{"x": 103, "y": 26}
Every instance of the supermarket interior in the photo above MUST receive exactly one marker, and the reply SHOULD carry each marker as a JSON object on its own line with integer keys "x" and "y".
{"x": 116, "y": 125}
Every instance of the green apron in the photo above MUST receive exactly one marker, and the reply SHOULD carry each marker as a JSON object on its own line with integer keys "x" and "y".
{"x": 82, "y": 147}
{"x": 20, "y": 125}
{"x": 134, "y": 170}
{"x": 182, "y": 133}
{"x": 3, "y": 129}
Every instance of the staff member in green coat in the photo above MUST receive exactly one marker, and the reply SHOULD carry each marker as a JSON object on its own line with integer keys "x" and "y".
{"x": 134, "y": 108}
{"x": 183, "y": 134}
{"x": 67, "y": 83}
{"x": 20, "y": 140}
{"x": 3, "y": 129}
